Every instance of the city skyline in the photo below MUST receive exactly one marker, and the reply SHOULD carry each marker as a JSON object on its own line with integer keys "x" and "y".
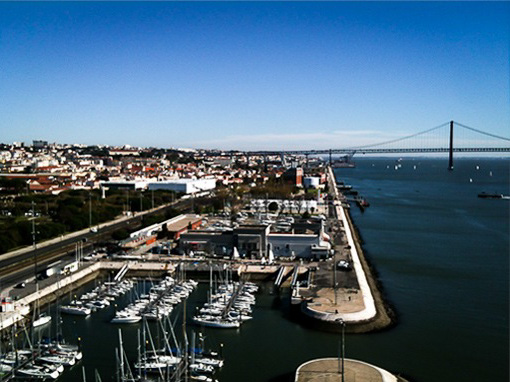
{"x": 250, "y": 76}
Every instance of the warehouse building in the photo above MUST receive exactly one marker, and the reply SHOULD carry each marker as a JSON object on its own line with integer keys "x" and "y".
{"x": 186, "y": 186}
{"x": 256, "y": 241}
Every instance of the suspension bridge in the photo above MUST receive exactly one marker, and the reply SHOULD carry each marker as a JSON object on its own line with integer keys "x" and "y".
{"x": 449, "y": 137}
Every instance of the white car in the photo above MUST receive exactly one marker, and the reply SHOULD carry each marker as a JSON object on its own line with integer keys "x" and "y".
{"x": 344, "y": 265}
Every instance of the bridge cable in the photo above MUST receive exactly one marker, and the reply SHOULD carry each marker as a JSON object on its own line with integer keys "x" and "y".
{"x": 401, "y": 139}
{"x": 482, "y": 132}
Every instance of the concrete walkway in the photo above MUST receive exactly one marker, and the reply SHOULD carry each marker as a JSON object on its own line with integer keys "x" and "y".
{"x": 330, "y": 370}
{"x": 369, "y": 310}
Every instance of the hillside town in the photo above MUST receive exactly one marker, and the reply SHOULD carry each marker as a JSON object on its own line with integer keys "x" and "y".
{"x": 71, "y": 187}
{"x": 53, "y": 168}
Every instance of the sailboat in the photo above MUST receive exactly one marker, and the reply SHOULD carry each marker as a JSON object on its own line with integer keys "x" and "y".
{"x": 40, "y": 319}
{"x": 271, "y": 256}
{"x": 43, "y": 319}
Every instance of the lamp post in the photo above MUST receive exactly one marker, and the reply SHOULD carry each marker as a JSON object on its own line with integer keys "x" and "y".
{"x": 341, "y": 358}
{"x": 90, "y": 211}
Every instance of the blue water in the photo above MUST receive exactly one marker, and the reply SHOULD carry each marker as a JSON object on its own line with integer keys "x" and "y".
{"x": 442, "y": 256}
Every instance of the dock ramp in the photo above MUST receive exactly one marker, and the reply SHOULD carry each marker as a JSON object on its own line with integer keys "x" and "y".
{"x": 283, "y": 273}
{"x": 295, "y": 274}
{"x": 121, "y": 273}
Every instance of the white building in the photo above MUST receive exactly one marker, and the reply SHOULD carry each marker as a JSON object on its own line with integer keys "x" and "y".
{"x": 311, "y": 182}
{"x": 284, "y": 205}
{"x": 302, "y": 246}
{"x": 186, "y": 186}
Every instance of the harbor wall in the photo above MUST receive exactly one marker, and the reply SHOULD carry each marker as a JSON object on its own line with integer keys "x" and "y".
{"x": 377, "y": 314}
{"x": 24, "y": 306}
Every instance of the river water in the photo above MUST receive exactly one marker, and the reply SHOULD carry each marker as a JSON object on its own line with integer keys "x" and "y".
{"x": 441, "y": 254}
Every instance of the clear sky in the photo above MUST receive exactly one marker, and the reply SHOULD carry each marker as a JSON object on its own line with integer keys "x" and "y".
{"x": 250, "y": 75}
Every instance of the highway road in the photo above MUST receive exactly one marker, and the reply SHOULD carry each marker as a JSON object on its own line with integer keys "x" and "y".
{"x": 15, "y": 269}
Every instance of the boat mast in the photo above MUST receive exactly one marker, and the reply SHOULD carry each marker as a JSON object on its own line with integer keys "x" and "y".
{"x": 121, "y": 356}
{"x": 185, "y": 339}
{"x": 139, "y": 355}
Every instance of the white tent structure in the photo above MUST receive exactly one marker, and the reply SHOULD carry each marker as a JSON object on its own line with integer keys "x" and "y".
{"x": 271, "y": 256}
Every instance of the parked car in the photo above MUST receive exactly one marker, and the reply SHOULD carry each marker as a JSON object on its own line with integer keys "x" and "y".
{"x": 343, "y": 265}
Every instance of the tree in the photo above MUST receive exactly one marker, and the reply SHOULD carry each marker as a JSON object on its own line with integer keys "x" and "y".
{"x": 120, "y": 234}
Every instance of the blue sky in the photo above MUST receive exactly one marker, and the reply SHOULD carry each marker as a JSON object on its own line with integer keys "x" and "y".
{"x": 250, "y": 75}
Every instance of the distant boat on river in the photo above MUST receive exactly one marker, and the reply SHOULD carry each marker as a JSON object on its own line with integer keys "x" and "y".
{"x": 492, "y": 196}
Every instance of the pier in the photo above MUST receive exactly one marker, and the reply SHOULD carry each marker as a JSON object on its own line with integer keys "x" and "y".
{"x": 351, "y": 297}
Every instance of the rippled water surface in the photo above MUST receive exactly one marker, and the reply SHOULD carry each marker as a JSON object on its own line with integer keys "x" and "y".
{"x": 442, "y": 255}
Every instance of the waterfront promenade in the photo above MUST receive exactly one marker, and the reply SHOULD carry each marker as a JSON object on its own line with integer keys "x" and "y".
{"x": 346, "y": 304}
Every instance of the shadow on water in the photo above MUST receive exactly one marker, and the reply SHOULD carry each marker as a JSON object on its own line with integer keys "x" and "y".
{"x": 288, "y": 377}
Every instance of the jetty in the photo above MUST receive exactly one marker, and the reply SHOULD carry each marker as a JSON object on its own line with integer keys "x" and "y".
{"x": 350, "y": 295}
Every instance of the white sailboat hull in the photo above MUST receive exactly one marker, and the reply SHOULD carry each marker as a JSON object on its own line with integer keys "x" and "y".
{"x": 42, "y": 320}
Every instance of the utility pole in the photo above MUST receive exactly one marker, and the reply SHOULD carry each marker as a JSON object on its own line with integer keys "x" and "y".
{"x": 341, "y": 349}
{"x": 90, "y": 211}
{"x": 334, "y": 278}
{"x": 33, "y": 241}
{"x": 33, "y": 225}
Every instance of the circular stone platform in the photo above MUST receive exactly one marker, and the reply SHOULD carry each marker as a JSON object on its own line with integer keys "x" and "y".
{"x": 329, "y": 370}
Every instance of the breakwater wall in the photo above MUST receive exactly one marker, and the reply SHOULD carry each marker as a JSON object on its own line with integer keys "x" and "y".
{"x": 376, "y": 314}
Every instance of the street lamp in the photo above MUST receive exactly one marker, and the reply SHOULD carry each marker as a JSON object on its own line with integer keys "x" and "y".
{"x": 342, "y": 352}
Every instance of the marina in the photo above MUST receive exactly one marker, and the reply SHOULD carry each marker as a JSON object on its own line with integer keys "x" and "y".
{"x": 228, "y": 306}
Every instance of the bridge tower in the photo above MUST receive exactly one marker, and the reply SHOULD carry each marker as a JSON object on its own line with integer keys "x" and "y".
{"x": 330, "y": 160}
{"x": 450, "y": 160}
